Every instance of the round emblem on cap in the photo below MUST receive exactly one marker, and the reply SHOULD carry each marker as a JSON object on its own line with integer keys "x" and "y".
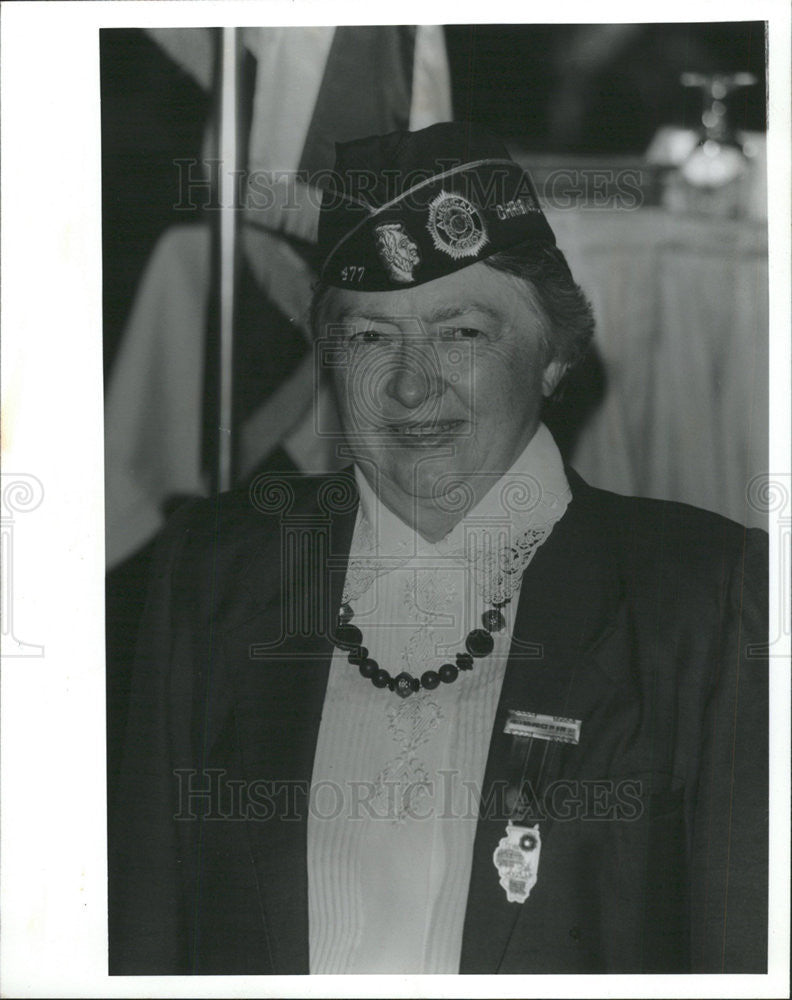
{"x": 455, "y": 226}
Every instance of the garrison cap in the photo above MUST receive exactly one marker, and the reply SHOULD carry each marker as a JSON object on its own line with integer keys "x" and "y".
{"x": 408, "y": 207}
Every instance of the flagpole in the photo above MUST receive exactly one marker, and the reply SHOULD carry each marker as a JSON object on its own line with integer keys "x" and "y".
{"x": 228, "y": 143}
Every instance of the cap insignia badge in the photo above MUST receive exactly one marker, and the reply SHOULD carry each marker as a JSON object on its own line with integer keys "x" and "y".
{"x": 397, "y": 251}
{"x": 455, "y": 226}
{"x": 517, "y": 860}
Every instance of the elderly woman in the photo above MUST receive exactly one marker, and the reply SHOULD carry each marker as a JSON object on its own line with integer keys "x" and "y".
{"x": 451, "y": 710}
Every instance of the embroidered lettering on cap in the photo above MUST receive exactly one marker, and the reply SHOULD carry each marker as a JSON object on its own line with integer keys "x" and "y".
{"x": 455, "y": 226}
{"x": 519, "y": 206}
{"x": 397, "y": 251}
{"x": 354, "y": 272}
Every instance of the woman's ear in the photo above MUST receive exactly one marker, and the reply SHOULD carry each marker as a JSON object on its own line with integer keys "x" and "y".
{"x": 552, "y": 375}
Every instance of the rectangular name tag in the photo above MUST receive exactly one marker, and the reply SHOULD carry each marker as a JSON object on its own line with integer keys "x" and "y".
{"x": 543, "y": 727}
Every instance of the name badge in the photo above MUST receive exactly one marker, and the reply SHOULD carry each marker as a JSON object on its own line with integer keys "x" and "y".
{"x": 543, "y": 727}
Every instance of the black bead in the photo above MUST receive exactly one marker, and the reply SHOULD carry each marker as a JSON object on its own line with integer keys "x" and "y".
{"x": 345, "y": 614}
{"x": 404, "y": 685}
{"x": 479, "y": 642}
{"x": 380, "y": 678}
{"x": 464, "y": 661}
{"x": 493, "y": 621}
{"x": 430, "y": 680}
{"x": 448, "y": 673}
{"x": 357, "y": 655}
{"x": 368, "y": 668}
{"x": 347, "y": 636}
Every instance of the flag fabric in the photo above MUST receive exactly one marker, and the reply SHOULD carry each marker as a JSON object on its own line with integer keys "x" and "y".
{"x": 153, "y": 405}
{"x": 349, "y": 82}
{"x": 313, "y": 86}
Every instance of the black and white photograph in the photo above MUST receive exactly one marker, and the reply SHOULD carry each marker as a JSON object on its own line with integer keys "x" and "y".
{"x": 440, "y": 558}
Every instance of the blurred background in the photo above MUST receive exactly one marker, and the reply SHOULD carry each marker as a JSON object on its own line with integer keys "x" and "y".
{"x": 647, "y": 145}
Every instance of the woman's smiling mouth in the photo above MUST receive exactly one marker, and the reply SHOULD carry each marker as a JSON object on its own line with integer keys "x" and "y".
{"x": 425, "y": 434}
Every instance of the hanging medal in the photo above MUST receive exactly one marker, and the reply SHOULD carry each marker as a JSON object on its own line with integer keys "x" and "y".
{"x": 517, "y": 855}
{"x": 517, "y": 860}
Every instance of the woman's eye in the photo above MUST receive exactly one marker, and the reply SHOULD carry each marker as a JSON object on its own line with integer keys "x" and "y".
{"x": 368, "y": 336}
{"x": 466, "y": 332}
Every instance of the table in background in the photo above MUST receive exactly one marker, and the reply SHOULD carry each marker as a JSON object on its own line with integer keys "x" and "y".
{"x": 682, "y": 330}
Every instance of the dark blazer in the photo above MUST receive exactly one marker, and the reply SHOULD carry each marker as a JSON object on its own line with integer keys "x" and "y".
{"x": 644, "y": 619}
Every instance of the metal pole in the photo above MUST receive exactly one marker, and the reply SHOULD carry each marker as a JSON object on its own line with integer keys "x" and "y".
{"x": 228, "y": 141}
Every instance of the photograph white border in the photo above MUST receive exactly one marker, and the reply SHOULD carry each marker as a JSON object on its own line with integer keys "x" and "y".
{"x": 53, "y": 863}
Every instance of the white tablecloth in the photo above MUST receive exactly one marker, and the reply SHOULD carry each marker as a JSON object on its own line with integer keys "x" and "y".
{"x": 682, "y": 329}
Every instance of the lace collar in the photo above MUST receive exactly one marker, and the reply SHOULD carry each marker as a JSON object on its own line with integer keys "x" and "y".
{"x": 497, "y": 538}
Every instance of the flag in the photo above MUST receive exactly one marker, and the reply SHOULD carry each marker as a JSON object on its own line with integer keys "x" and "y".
{"x": 313, "y": 86}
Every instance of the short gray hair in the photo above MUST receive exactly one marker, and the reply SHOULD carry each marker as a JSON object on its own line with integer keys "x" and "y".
{"x": 570, "y": 316}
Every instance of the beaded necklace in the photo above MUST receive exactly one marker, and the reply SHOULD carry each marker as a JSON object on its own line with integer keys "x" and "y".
{"x": 478, "y": 643}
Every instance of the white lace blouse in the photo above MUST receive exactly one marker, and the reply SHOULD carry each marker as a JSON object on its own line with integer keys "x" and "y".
{"x": 396, "y": 781}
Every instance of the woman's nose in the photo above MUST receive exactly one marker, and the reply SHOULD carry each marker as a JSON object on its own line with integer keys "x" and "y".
{"x": 414, "y": 379}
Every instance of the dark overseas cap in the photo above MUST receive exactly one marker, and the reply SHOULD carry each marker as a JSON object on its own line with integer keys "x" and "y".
{"x": 409, "y": 207}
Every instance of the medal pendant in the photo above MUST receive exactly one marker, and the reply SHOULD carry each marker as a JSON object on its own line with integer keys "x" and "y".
{"x": 517, "y": 860}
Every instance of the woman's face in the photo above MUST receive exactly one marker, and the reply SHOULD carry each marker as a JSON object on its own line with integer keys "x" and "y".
{"x": 439, "y": 383}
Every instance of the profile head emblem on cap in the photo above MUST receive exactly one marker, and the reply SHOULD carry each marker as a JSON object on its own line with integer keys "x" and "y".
{"x": 409, "y": 207}
{"x": 397, "y": 251}
{"x": 455, "y": 226}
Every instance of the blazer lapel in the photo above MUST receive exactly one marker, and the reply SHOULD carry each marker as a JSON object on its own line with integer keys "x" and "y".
{"x": 278, "y": 660}
{"x": 568, "y": 601}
